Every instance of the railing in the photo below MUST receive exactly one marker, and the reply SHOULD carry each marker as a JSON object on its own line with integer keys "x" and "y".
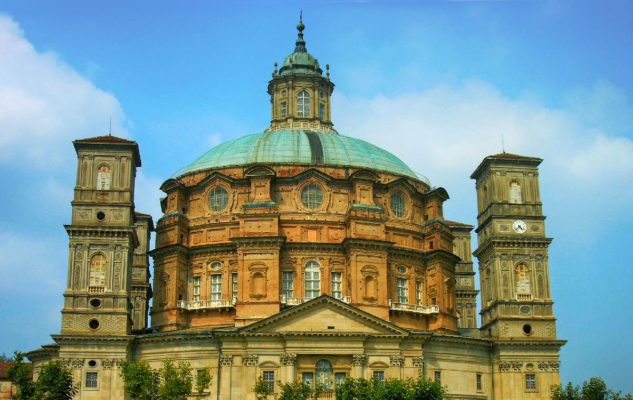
{"x": 294, "y": 301}
{"x": 523, "y": 297}
{"x": 96, "y": 289}
{"x": 206, "y": 304}
{"x": 327, "y": 394}
{"x": 414, "y": 308}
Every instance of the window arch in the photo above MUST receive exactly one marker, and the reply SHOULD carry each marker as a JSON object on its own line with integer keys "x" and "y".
{"x": 303, "y": 104}
{"x": 522, "y": 279}
{"x": 97, "y": 270}
{"x": 312, "y": 280}
{"x": 515, "y": 193}
{"x": 325, "y": 374}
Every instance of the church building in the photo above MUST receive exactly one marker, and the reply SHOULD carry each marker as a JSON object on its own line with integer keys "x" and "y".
{"x": 302, "y": 254}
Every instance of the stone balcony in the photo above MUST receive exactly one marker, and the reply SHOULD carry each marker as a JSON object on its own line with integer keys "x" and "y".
{"x": 206, "y": 304}
{"x": 427, "y": 310}
{"x": 523, "y": 297}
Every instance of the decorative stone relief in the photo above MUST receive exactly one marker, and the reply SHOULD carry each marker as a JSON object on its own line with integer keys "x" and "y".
{"x": 77, "y": 363}
{"x": 504, "y": 366}
{"x": 396, "y": 361}
{"x": 517, "y": 365}
{"x": 288, "y": 359}
{"x": 107, "y": 364}
{"x": 542, "y": 365}
{"x": 226, "y": 360}
{"x": 418, "y": 362}
{"x": 359, "y": 360}
{"x": 250, "y": 360}
{"x": 554, "y": 365}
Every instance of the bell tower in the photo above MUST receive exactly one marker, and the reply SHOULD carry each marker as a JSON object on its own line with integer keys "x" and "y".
{"x": 102, "y": 238}
{"x": 517, "y": 307}
{"x": 299, "y": 93}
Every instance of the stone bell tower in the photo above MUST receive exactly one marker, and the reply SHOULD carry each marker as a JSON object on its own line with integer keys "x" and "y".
{"x": 517, "y": 306}
{"x": 102, "y": 238}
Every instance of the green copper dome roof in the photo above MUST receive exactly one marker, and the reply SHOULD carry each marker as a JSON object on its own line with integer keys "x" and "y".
{"x": 306, "y": 147}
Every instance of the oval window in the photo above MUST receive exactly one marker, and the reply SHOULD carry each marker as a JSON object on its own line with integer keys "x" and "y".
{"x": 312, "y": 196}
{"x": 218, "y": 199}
{"x": 397, "y": 204}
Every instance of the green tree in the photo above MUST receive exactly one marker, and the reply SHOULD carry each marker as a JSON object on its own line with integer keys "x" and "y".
{"x": 140, "y": 381}
{"x": 55, "y": 382}
{"x": 203, "y": 380}
{"x": 295, "y": 391}
{"x": 426, "y": 389}
{"x": 176, "y": 380}
{"x": 262, "y": 389}
{"x": 593, "y": 389}
{"x": 21, "y": 374}
{"x": 392, "y": 389}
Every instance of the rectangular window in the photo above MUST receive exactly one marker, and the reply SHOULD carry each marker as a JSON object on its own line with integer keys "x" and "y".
{"x": 313, "y": 284}
{"x": 288, "y": 284}
{"x": 284, "y": 109}
{"x": 308, "y": 378}
{"x": 479, "y": 385}
{"x": 269, "y": 379}
{"x": 340, "y": 377}
{"x": 196, "y": 288}
{"x": 92, "y": 380}
{"x": 321, "y": 111}
{"x": 216, "y": 287}
{"x": 403, "y": 291}
{"x": 234, "y": 284}
{"x": 379, "y": 376}
{"x": 438, "y": 376}
{"x": 530, "y": 382}
{"x": 418, "y": 294}
{"x": 337, "y": 285}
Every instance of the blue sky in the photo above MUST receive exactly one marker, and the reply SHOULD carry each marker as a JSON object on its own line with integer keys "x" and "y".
{"x": 435, "y": 82}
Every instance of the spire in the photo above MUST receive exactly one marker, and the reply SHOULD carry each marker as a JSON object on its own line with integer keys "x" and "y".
{"x": 300, "y": 45}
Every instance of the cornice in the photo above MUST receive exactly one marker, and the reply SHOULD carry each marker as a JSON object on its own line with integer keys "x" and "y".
{"x": 101, "y": 231}
{"x": 59, "y": 339}
{"x": 409, "y": 254}
{"x": 368, "y": 244}
{"x": 176, "y": 336}
{"x": 170, "y": 249}
{"x": 557, "y": 343}
{"x": 513, "y": 242}
{"x": 459, "y": 339}
{"x": 442, "y": 255}
{"x": 213, "y": 249}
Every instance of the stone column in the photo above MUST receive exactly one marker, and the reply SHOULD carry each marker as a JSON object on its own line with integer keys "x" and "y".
{"x": 249, "y": 372}
{"x": 397, "y": 362}
{"x": 226, "y": 366}
{"x": 358, "y": 363}
{"x": 288, "y": 360}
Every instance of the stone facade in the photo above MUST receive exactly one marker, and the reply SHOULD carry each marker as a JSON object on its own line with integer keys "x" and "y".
{"x": 306, "y": 270}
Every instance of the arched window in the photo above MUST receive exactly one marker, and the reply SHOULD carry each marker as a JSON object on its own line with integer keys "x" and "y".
{"x": 515, "y": 193}
{"x": 97, "y": 270}
{"x": 303, "y": 104}
{"x": 104, "y": 177}
{"x": 324, "y": 374}
{"x": 522, "y": 279}
{"x": 397, "y": 204}
{"x": 312, "y": 280}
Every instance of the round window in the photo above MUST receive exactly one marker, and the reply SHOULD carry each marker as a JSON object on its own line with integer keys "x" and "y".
{"x": 527, "y": 329}
{"x": 92, "y": 363}
{"x": 398, "y": 205}
{"x": 312, "y": 196}
{"x": 96, "y": 303}
{"x": 216, "y": 265}
{"x": 402, "y": 269}
{"x": 93, "y": 324}
{"x": 100, "y": 215}
{"x": 218, "y": 199}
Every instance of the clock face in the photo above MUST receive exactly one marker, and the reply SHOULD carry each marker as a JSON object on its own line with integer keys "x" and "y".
{"x": 519, "y": 226}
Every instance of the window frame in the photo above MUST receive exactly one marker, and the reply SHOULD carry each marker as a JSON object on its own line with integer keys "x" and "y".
{"x": 96, "y": 380}
{"x": 530, "y": 379}
{"x": 234, "y": 285}
{"x": 311, "y": 268}
{"x": 398, "y": 209}
{"x": 402, "y": 290}
{"x": 197, "y": 283}
{"x": 216, "y": 287}
{"x": 437, "y": 376}
{"x": 288, "y": 291}
{"x": 479, "y": 384}
{"x": 379, "y": 376}
{"x": 312, "y": 196}
{"x": 212, "y": 200}
{"x": 269, "y": 382}
{"x": 336, "y": 285}
{"x": 303, "y": 104}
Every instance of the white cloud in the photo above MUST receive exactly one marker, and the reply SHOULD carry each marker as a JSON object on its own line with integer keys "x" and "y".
{"x": 444, "y": 133}
{"x": 45, "y": 103}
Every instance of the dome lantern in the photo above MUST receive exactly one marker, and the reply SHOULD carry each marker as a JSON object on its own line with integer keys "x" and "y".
{"x": 299, "y": 93}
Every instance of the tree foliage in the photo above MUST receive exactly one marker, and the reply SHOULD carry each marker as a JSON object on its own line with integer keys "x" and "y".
{"x": 55, "y": 382}
{"x": 392, "y": 389}
{"x": 262, "y": 389}
{"x": 171, "y": 382}
{"x": 203, "y": 380}
{"x": 20, "y": 373}
{"x": 593, "y": 389}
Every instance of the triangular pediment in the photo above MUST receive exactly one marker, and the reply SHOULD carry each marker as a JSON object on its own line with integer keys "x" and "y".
{"x": 324, "y": 315}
